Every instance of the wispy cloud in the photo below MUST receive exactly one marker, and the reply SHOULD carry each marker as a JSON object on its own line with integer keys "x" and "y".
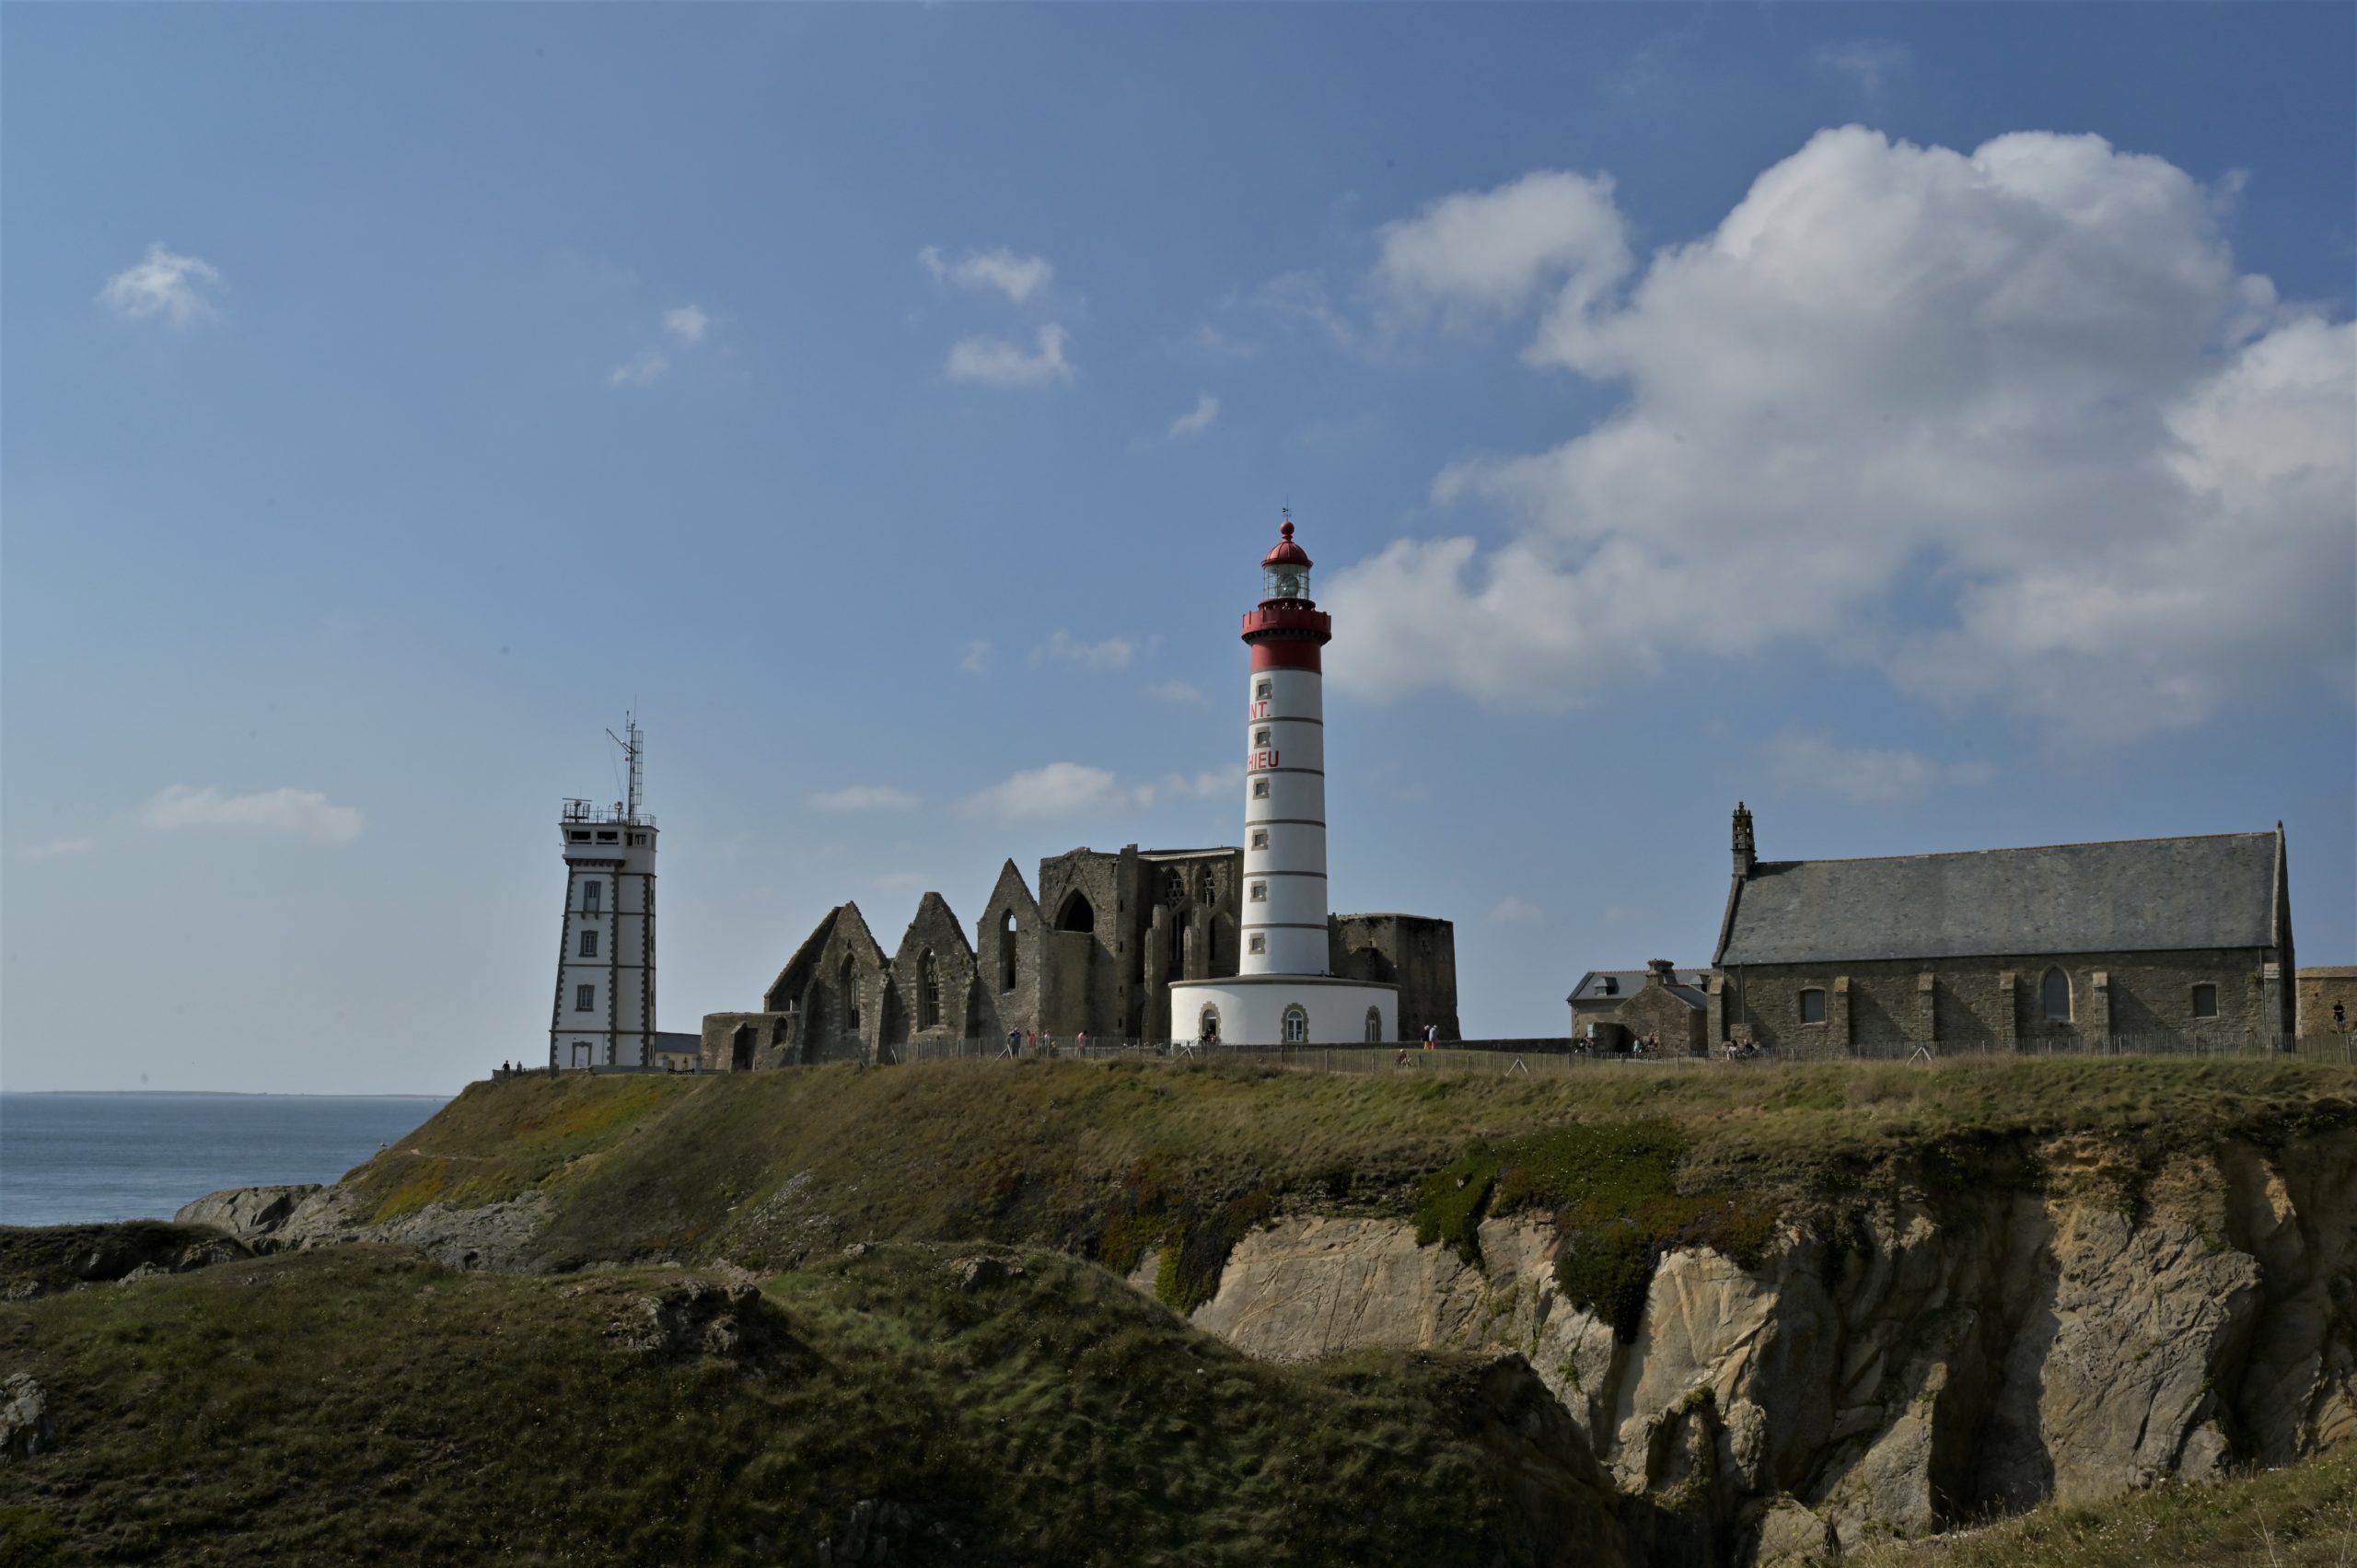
{"x": 995, "y": 362}
{"x": 977, "y": 659}
{"x": 1194, "y": 423}
{"x": 1869, "y": 64}
{"x": 1174, "y": 692}
{"x": 1218, "y": 783}
{"x": 1864, "y": 777}
{"x": 1211, "y": 339}
{"x": 649, "y": 367}
{"x": 1017, "y": 277}
{"x": 688, "y": 323}
{"x": 865, "y": 797}
{"x": 1059, "y": 789}
{"x": 178, "y": 289}
{"x": 54, "y": 848}
{"x": 1113, "y": 652}
{"x": 1511, "y": 911}
{"x": 301, "y": 813}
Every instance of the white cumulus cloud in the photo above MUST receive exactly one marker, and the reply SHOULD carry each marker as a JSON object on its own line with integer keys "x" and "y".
{"x": 1059, "y": 789}
{"x": 865, "y": 797}
{"x": 1017, "y": 277}
{"x": 688, "y": 323}
{"x": 1495, "y": 250}
{"x": 2025, "y": 386}
{"x": 995, "y": 362}
{"x": 1195, "y": 422}
{"x": 1866, "y": 777}
{"x": 302, "y": 813}
{"x": 178, "y": 289}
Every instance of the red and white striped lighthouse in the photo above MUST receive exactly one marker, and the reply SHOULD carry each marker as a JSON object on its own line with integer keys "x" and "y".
{"x": 1284, "y": 809}
{"x": 1283, "y": 990}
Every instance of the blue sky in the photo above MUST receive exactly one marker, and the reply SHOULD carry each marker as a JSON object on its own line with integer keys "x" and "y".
{"x": 1790, "y": 403}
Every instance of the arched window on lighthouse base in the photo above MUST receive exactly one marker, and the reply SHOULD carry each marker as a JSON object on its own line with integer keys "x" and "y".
{"x": 1297, "y": 1025}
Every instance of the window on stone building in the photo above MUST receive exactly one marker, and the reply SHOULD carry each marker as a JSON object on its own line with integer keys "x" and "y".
{"x": 1257, "y": 943}
{"x": 1077, "y": 914}
{"x": 1260, "y": 892}
{"x": 592, "y": 895}
{"x": 1812, "y": 1005}
{"x": 1295, "y": 1025}
{"x": 1174, "y": 888}
{"x": 850, "y": 986}
{"x": 2058, "y": 996}
{"x": 1205, "y": 888}
{"x": 1259, "y": 838}
{"x": 588, "y": 944}
{"x": 2205, "y": 1001}
{"x": 1260, "y": 789}
{"x": 1006, "y": 951}
{"x": 584, "y": 998}
{"x": 928, "y": 992}
{"x": 1375, "y": 1025}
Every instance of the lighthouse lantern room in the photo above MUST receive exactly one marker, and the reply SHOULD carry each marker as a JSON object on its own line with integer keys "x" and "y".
{"x": 1284, "y": 991}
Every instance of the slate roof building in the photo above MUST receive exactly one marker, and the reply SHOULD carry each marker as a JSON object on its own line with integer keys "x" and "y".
{"x": 1609, "y": 1006}
{"x": 2082, "y": 943}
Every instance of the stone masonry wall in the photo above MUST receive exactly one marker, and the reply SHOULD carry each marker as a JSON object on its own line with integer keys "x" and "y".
{"x": 1991, "y": 1002}
{"x": 2319, "y": 988}
{"x": 1412, "y": 952}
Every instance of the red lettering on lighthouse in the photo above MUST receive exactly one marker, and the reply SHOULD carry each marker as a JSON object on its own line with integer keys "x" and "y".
{"x": 1261, "y": 760}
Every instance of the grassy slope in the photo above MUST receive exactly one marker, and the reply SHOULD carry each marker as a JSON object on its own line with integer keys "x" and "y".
{"x": 2302, "y": 1517}
{"x": 1102, "y": 1159}
{"x": 363, "y": 1405}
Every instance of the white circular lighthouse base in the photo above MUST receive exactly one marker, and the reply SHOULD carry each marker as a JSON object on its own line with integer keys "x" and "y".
{"x": 1251, "y": 1010}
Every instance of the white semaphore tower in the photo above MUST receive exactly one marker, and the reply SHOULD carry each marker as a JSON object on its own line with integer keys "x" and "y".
{"x": 1283, "y": 991}
{"x": 605, "y": 968}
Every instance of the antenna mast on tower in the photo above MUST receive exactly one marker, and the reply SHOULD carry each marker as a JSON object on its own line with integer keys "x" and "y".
{"x": 635, "y": 751}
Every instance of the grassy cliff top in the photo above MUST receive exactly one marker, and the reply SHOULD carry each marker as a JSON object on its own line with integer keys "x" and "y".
{"x": 363, "y": 1405}
{"x": 1101, "y": 1158}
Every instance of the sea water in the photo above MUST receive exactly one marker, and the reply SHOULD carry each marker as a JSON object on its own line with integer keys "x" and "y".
{"x": 70, "y": 1158}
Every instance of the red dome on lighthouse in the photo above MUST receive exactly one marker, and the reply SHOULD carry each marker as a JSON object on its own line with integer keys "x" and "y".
{"x": 1287, "y": 553}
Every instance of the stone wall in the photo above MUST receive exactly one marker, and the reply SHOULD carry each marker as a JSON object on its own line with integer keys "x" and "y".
{"x": 1006, "y": 952}
{"x": 1997, "y": 1002}
{"x": 2319, "y": 988}
{"x": 1653, "y": 1010}
{"x": 1412, "y": 952}
{"x": 945, "y": 1005}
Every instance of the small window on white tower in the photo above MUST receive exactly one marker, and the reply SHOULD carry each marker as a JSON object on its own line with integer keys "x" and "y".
{"x": 1259, "y": 789}
{"x": 1297, "y": 1025}
{"x": 1261, "y": 738}
{"x": 588, "y": 944}
{"x": 1257, "y": 943}
{"x": 1260, "y": 892}
{"x": 1259, "y": 838}
{"x": 584, "y": 999}
{"x": 592, "y": 895}
{"x": 1262, "y": 689}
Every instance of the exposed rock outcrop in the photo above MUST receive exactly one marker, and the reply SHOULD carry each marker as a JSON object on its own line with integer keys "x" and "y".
{"x": 1893, "y": 1367}
{"x": 25, "y": 1425}
{"x": 252, "y": 1215}
{"x": 499, "y": 1237}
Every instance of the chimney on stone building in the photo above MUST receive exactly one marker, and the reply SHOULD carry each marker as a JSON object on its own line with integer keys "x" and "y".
{"x": 1745, "y": 858}
{"x": 1660, "y": 971}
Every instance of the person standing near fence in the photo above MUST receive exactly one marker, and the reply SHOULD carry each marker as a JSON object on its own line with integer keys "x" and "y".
{"x": 1431, "y": 1037}
{"x": 1080, "y": 1043}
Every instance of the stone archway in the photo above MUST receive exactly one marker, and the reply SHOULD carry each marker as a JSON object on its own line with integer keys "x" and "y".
{"x": 740, "y": 1049}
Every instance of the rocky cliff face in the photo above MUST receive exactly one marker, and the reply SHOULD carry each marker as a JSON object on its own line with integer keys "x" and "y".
{"x": 1893, "y": 1366}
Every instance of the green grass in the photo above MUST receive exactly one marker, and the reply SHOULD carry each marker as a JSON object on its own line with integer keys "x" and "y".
{"x": 2301, "y": 1516}
{"x": 1106, "y": 1160}
{"x": 360, "y": 1404}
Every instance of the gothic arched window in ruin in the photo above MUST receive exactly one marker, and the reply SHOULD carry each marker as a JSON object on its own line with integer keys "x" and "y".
{"x": 1006, "y": 951}
{"x": 1076, "y": 914}
{"x": 1174, "y": 888}
{"x": 851, "y": 997}
{"x": 2058, "y": 996}
{"x": 928, "y": 992}
{"x": 1297, "y": 1025}
{"x": 1375, "y": 1025}
{"x": 1205, "y": 888}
